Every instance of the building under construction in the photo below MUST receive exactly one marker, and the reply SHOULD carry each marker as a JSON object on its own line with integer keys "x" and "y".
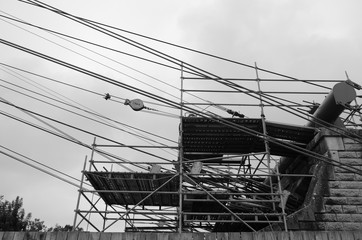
{"x": 238, "y": 174}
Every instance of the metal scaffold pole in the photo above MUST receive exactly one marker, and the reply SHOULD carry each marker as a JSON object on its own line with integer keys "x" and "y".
{"x": 79, "y": 194}
{"x": 180, "y": 215}
{"x": 267, "y": 149}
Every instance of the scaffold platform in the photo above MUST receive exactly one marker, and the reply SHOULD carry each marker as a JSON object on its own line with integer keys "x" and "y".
{"x": 202, "y": 135}
{"x": 127, "y": 188}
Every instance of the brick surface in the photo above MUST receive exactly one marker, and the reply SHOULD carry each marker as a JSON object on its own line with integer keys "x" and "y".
{"x": 344, "y": 177}
{"x": 356, "y": 217}
{"x": 343, "y": 170}
{"x": 345, "y": 184}
{"x": 336, "y": 200}
{"x": 344, "y": 217}
{"x": 351, "y": 226}
{"x": 348, "y": 154}
{"x": 336, "y": 208}
{"x": 337, "y": 192}
{"x": 354, "y": 200}
{"x": 349, "y": 147}
{"x": 333, "y": 226}
{"x": 327, "y": 217}
{"x": 351, "y": 161}
{"x": 341, "y": 192}
{"x": 350, "y": 140}
{"x": 358, "y": 177}
{"x": 349, "y": 209}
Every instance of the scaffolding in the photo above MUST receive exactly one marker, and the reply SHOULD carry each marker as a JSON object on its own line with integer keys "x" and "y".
{"x": 225, "y": 178}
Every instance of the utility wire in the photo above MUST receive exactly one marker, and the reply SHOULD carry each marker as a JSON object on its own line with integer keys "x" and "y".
{"x": 91, "y": 73}
{"x": 223, "y": 121}
{"x": 40, "y": 169}
{"x": 78, "y": 114}
{"x": 127, "y": 40}
{"x": 43, "y": 165}
{"x": 57, "y": 33}
{"x": 92, "y": 112}
{"x": 94, "y": 23}
{"x": 66, "y": 136}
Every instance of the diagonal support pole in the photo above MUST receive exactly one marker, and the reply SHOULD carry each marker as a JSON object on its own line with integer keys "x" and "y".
{"x": 139, "y": 203}
{"x": 216, "y": 200}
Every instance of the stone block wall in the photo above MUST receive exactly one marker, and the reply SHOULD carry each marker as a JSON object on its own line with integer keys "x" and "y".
{"x": 342, "y": 201}
{"x": 334, "y": 197}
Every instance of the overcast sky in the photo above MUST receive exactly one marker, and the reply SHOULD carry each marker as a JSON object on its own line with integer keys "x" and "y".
{"x": 319, "y": 39}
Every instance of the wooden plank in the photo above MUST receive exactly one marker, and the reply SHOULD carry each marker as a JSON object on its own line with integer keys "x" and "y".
{"x": 105, "y": 236}
{"x": 222, "y": 236}
{"x": 285, "y": 236}
{"x": 258, "y": 235}
{"x": 186, "y": 236}
{"x": 246, "y": 236}
{"x": 83, "y": 236}
{"x": 234, "y": 236}
{"x": 35, "y": 236}
{"x": 357, "y": 234}
{"x": 94, "y": 236}
{"x": 298, "y": 236}
{"x": 348, "y": 235}
{"x": 210, "y": 236}
{"x": 51, "y": 236}
{"x": 321, "y": 236}
{"x": 163, "y": 236}
{"x": 308, "y": 235}
{"x": 62, "y": 235}
{"x": 8, "y": 236}
{"x": 1, "y": 235}
{"x": 116, "y": 236}
{"x": 19, "y": 235}
{"x": 151, "y": 236}
{"x": 271, "y": 235}
{"x": 198, "y": 236}
{"x": 73, "y": 235}
{"x": 127, "y": 236}
{"x": 334, "y": 236}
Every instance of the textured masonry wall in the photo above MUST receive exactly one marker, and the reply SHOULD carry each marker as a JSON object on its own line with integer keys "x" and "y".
{"x": 342, "y": 203}
{"x": 333, "y": 201}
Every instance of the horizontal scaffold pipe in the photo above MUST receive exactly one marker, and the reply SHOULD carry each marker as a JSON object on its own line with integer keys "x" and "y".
{"x": 137, "y": 146}
{"x": 239, "y": 91}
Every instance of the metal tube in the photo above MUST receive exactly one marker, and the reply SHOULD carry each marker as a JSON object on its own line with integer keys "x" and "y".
{"x": 333, "y": 105}
{"x": 80, "y": 189}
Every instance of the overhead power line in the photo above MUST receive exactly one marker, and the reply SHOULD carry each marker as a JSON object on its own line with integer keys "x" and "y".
{"x": 100, "y": 27}
{"x": 24, "y": 159}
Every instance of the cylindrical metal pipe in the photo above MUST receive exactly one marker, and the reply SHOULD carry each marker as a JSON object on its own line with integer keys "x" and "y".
{"x": 329, "y": 111}
{"x": 333, "y": 105}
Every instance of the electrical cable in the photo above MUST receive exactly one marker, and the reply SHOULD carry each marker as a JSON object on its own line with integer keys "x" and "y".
{"x": 104, "y": 65}
{"x": 70, "y": 16}
{"x": 38, "y": 168}
{"x": 78, "y": 114}
{"x": 93, "y": 113}
{"x": 131, "y": 42}
{"x": 41, "y": 164}
{"x": 131, "y": 88}
{"x": 66, "y": 136}
{"x": 93, "y": 51}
